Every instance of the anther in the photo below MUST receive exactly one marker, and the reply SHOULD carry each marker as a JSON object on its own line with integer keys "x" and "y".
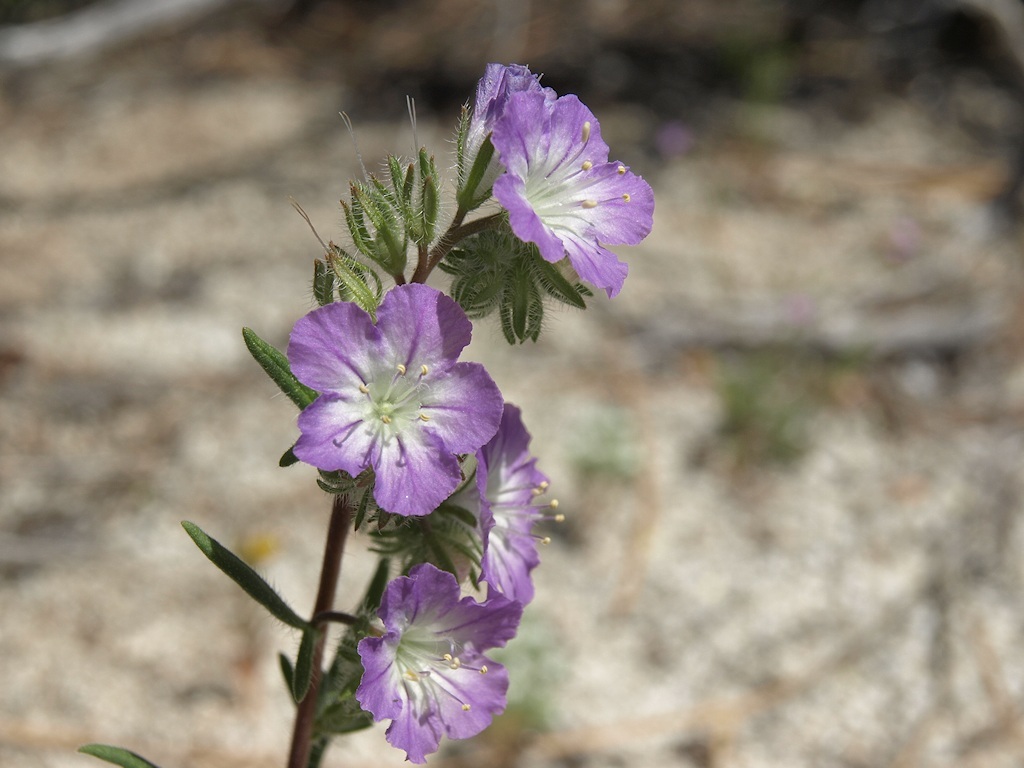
{"x": 424, "y": 370}
{"x": 544, "y": 485}
{"x": 364, "y": 389}
{"x": 546, "y": 540}
{"x": 620, "y": 170}
{"x": 559, "y": 518}
{"x": 626, "y": 197}
{"x": 401, "y": 369}
{"x": 465, "y": 707}
{"x": 587, "y": 165}
{"x": 586, "y": 131}
{"x": 553, "y": 504}
{"x": 385, "y": 418}
{"x": 589, "y": 204}
{"x": 483, "y": 670}
{"x": 424, "y": 417}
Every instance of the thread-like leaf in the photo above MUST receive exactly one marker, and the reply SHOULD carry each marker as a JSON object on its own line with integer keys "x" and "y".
{"x": 244, "y": 576}
{"x": 276, "y": 366}
{"x": 116, "y": 756}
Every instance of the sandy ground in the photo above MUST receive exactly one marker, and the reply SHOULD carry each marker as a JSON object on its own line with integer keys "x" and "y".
{"x": 706, "y": 604}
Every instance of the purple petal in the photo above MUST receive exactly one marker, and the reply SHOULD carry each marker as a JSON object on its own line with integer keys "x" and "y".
{"x": 464, "y": 407}
{"x": 595, "y": 264}
{"x": 422, "y": 326}
{"x": 415, "y": 473}
{"x": 378, "y": 690}
{"x": 332, "y": 347}
{"x": 334, "y": 436}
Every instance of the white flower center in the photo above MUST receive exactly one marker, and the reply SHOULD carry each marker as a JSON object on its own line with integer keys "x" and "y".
{"x": 427, "y": 664}
{"x": 393, "y": 401}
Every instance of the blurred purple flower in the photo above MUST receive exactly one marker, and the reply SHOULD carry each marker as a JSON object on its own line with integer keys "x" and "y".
{"x": 392, "y": 396}
{"x": 674, "y": 139}
{"x": 427, "y": 673}
{"x": 561, "y": 192}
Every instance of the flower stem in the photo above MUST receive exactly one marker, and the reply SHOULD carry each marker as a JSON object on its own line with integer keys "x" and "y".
{"x": 456, "y": 232}
{"x": 337, "y": 532}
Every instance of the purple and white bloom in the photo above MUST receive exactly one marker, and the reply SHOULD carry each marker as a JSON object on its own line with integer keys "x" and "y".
{"x": 392, "y": 396}
{"x": 492, "y": 93}
{"x": 560, "y": 191}
{"x": 509, "y": 484}
{"x": 427, "y": 673}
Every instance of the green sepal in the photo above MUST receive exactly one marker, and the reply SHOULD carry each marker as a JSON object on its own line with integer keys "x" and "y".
{"x": 357, "y": 225}
{"x": 323, "y": 283}
{"x": 467, "y": 197}
{"x": 245, "y": 577}
{"x": 277, "y": 368}
{"x": 364, "y": 505}
{"x": 288, "y": 458}
{"x": 343, "y": 716}
{"x": 302, "y": 674}
{"x": 116, "y": 756}
{"x": 352, "y": 281}
{"x": 555, "y": 284}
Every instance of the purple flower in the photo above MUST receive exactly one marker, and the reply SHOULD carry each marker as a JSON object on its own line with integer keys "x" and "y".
{"x": 427, "y": 673}
{"x": 392, "y": 396}
{"x": 492, "y": 93}
{"x": 560, "y": 190}
{"x": 509, "y": 484}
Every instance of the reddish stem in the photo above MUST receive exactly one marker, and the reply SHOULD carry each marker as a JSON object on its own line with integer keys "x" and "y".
{"x": 337, "y": 532}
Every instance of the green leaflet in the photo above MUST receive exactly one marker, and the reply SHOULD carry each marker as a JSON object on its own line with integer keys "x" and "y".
{"x": 117, "y": 756}
{"x": 245, "y": 577}
{"x": 277, "y": 368}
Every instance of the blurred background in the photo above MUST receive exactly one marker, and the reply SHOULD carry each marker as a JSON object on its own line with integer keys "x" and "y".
{"x": 789, "y": 452}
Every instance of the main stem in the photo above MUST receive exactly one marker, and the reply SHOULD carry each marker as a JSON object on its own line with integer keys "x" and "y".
{"x": 337, "y": 532}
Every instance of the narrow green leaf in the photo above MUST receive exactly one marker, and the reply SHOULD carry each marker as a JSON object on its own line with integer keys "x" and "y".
{"x": 303, "y": 673}
{"x": 244, "y": 576}
{"x": 117, "y": 756}
{"x": 287, "y": 670}
{"x": 276, "y": 366}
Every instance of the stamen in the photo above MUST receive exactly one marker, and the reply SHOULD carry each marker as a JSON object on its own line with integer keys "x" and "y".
{"x": 587, "y": 165}
{"x": 364, "y": 389}
{"x": 385, "y": 418}
{"x": 424, "y": 417}
{"x": 620, "y": 170}
{"x": 589, "y": 204}
{"x": 401, "y": 369}
{"x": 483, "y": 670}
{"x": 586, "y": 132}
{"x": 559, "y": 518}
{"x": 544, "y": 485}
{"x": 546, "y": 540}
{"x": 626, "y": 197}
{"x": 412, "y": 676}
{"x": 424, "y": 370}
{"x": 465, "y": 707}
{"x": 553, "y": 504}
